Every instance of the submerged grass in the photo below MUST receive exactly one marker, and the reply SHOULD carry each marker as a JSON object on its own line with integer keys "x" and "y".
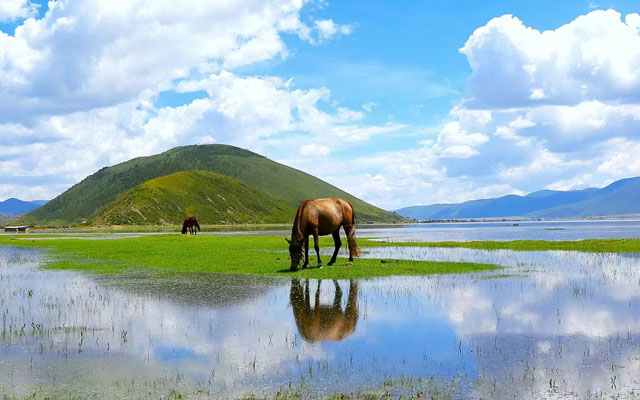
{"x": 587, "y": 245}
{"x": 254, "y": 255}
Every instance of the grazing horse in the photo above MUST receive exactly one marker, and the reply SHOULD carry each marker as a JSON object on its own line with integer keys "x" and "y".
{"x": 190, "y": 223}
{"x": 324, "y": 322}
{"x": 318, "y": 218}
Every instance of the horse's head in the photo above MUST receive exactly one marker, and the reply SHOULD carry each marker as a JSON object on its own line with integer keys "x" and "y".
{"x": 295, "y": 252}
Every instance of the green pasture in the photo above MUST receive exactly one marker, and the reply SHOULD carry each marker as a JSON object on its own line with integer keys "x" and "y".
{"x": 267, "y": 255}
{"x": 254, "y": 255}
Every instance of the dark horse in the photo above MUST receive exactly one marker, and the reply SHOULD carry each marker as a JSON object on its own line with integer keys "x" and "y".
{"x": 318, "y": 218}
{"x": 190, "y": 223}
{"x": 324, "y": 322}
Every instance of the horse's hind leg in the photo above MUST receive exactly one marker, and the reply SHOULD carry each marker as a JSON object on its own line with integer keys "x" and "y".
{"x": 348, "y": 230}
{"x": 338, "y": 244}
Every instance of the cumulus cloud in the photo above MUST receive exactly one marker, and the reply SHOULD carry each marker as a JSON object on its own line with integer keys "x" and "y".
{"x": 87, "y": 54}
{"x": 596, "y": 56}
{"x": 557, "y": 109}
{"x": 10, "y": 10}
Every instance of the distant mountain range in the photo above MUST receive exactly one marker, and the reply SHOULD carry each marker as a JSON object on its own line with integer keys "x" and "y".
{"x": 11, "y": 207}
{"x": 619, "y": 198}
{"x": 256, "y": 189}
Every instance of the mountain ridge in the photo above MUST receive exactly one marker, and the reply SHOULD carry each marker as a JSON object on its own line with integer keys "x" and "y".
{"x": 617, "y": 198}
{"x": 13, "y": 206}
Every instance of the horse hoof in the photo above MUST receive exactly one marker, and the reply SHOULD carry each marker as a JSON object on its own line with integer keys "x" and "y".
{"x": 350, "y": 263}
{"x": 320, "y": 266}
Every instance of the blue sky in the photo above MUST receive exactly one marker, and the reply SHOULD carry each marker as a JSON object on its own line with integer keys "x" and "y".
{"x": 401, "y": 103}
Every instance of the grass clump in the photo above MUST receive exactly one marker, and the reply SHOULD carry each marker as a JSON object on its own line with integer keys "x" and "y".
{"x": 253, "y": 255}
{"x": 587, "y": 245}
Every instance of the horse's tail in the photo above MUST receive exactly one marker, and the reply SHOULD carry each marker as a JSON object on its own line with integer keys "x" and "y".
{"x": 197, "y": 224}
{"x": 351, "y": 236}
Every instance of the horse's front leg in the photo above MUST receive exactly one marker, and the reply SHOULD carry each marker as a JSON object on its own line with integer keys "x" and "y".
{"x": 316, "y": 245}
{"x": 338, "y": 244}
{"x": 306, "y": 252}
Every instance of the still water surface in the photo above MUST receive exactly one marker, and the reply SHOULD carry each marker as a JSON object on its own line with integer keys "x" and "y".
{"x": 549, "y": 325}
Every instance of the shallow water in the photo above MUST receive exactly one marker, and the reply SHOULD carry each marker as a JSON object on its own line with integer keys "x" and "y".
{"x": 436, "y": 232}
{"x": 550, "y": 324}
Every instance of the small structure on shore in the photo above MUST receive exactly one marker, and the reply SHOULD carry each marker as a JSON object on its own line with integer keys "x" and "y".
{"x": 18, "y": 229}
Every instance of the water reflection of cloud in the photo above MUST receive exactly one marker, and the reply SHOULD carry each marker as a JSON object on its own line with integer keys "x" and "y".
{"x": 228, "y": 344}
{"x": 565, "y": 317}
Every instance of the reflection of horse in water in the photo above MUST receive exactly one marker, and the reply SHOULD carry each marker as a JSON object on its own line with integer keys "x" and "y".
{"x": 324, "y": 322}
{"x": 190, "y": 223}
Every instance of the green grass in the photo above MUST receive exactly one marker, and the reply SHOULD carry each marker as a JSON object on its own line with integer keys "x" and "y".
{"x": 213, "y": 198}
{"x": 589, "y": 245}
{"x": 255, "y": 255}
{"x": 89, "y": 198}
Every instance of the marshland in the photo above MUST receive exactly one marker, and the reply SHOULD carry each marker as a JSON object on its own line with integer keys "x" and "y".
{"x": 117, "y": 317}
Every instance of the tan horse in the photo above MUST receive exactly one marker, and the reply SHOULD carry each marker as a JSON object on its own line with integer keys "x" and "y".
{"x": 324, "y": 322}
{"x": 318, "y": 218}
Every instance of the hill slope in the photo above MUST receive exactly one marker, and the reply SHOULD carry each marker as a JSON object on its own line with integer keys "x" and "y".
{"x": 620, "y": 197}
{"x": 13, "y": 206}
{"x": 89, "y": 198}
{"x": 212, "y": 197}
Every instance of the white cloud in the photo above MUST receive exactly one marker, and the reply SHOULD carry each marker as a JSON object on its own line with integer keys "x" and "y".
{"x": 314, "y": 150}
{"x": 11, "y": 10}
{"x": 92, "y": 53}
{"x": 595, "y": 56}
{"x": 327, "y": 29}
{"x": 557, "y": 109}
{"x": 456, "y": 143}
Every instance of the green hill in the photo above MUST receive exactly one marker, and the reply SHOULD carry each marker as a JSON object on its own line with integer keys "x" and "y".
{"x": 213, "y": 198}
{"x": 89, "y": 198}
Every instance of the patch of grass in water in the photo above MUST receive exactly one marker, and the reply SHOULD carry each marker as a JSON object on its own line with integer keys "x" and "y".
{"x": 254, "y": 255}
{"x": 587, "y": 245}
{"x": 502, "y": 276}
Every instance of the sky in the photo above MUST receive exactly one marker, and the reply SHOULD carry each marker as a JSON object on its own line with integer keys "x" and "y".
{"x": 400, "y": 103}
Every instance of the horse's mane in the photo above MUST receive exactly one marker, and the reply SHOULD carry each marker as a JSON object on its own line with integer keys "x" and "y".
{"x": 296, "y": 232}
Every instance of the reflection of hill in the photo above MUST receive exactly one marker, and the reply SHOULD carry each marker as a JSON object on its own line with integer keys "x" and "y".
{"x": 208, "y": 290}
{"x": 324, "y": 322}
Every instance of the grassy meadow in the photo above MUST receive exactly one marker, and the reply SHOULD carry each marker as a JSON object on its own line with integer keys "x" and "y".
{"x": 254, "y": 255}
{"x": 267, "y": 255}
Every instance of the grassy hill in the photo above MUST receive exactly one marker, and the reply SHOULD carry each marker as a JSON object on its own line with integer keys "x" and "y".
{"x": 89, "y": 198}
{"x": 213, "y": 198}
